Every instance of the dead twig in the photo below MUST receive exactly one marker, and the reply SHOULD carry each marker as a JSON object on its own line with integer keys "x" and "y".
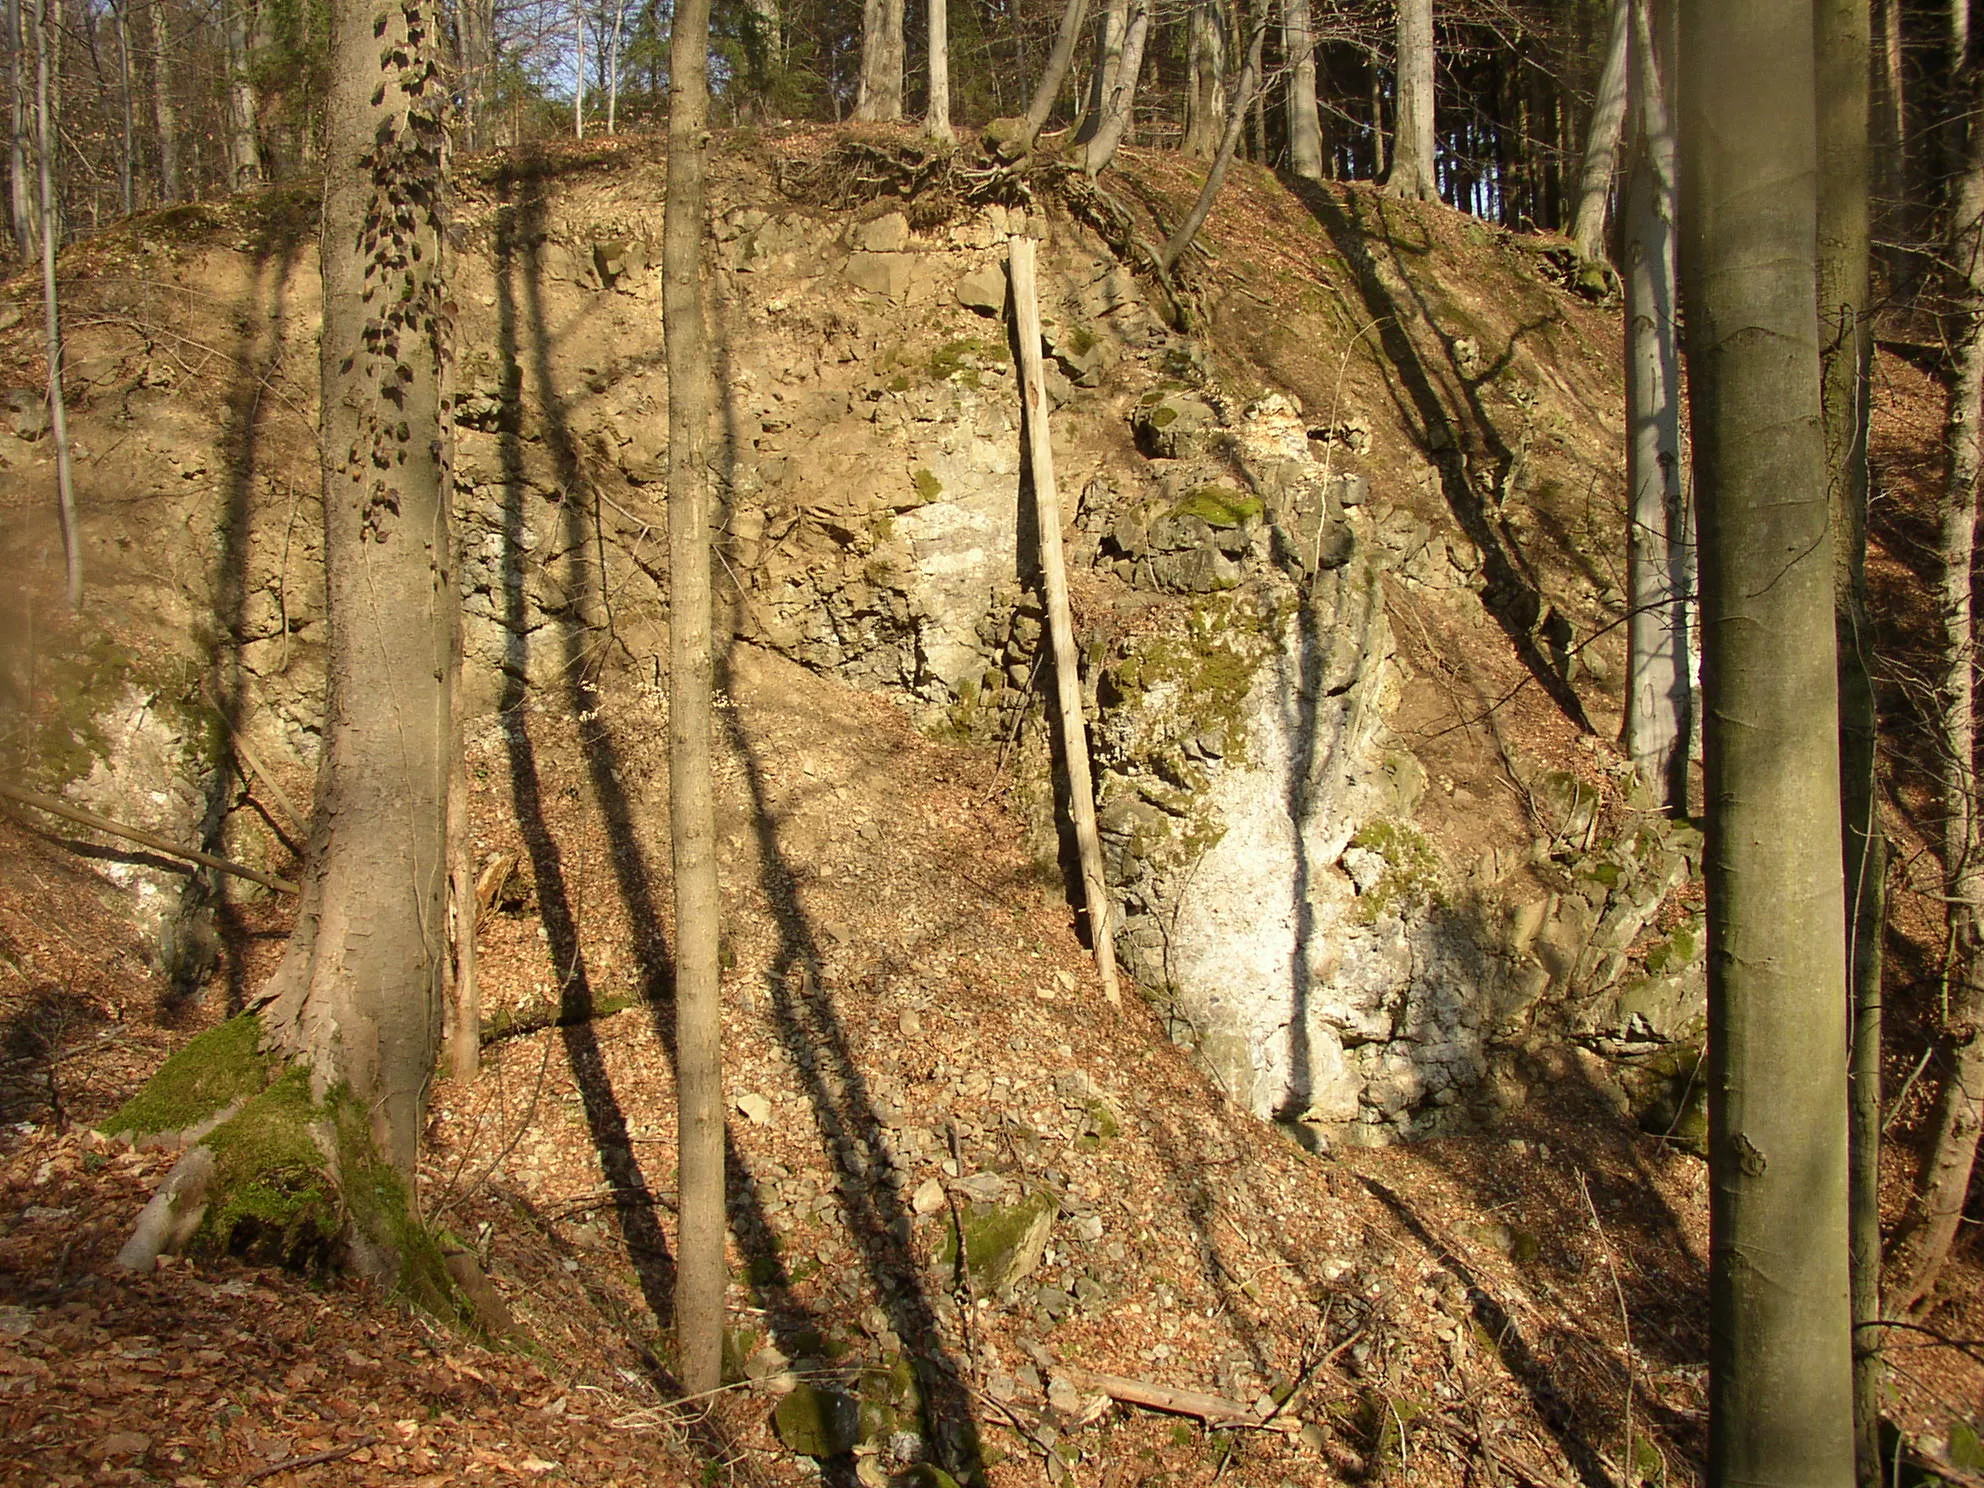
{"x": 315, "y": 1459}
{"x": 1208, "y": 1408}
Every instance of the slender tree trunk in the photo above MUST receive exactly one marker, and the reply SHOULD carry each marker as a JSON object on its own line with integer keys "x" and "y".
{"x": 613, "y": 68}
{"x": 165, "y": 112}
{"x": 358, "y": 996}
{"x": 474, "y": 20}
{"x": 937, "y": 113}
{"x": 1111, "y": 27}
{"x": 126, "y": 144}
{"x": 1377, "y": 125}
{"x": 879, "y": 98}
{"x": 579, "y": 70}
{"x": 1305, "y": 122}
{"x": 58, "y": 410}
{"x": 1055, "y": 74}
{"x": 1842, "y": 40}
{"x": 1243, "y": 98}
{"x": 1121, "y": 102}
{"x": 1944, "y": 1180}
{"x": 244, "y": 156}
{"x": 1205, "y": 88}
{"x": 1601, "y": 148}
{"x": 691, "y": 791}
{"x": 1054, "y": 586}
{"x": 1415, "y": 147}
{"x": 462, "y": 1020}
{"x": 1659, "y": 534}
{"x": 20, "y": 168}
{"x": 1780, "y": 1361}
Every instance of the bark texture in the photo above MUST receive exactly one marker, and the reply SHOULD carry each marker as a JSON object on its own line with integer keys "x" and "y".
{"x": 1119, "y": 104}
{"x": 1843, "y": 38}
{"x": 1780, "y": 1366}
{"x": 1055, "y": 74}
{"x": 1205, "y": 86}
{"x": 358, "y": 994}
{"x": 165, "y": 112}
{"x": 1305, "y": 122}
{"x": 1659, "y": 532}
{"x": 1415, "y": 144}
{"x": 1944, "y": 1180}
{"x": 879, "y": 98}
{"x": 691, "y": 791}
{"x": 58, "y": 407}
{"x": 937, "y": 112}
{"x": 244, "y": 154}
{"x": 1601, "y": 148}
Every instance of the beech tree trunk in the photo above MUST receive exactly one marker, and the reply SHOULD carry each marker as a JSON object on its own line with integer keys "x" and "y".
{"x": 700, "y": 1275}
{"x": 1305, "y": 122}
{"x": 165, "y": 112}
{"x": 937, "y": 112}
{"x": 244, "y": 155}
{"x": 1205, "y": 85}
{"x": 579, "y": 69}
{"x": 1243, "y": 98}
{"x": 1659, "y": 534}
{"x": 1601, "y": 149}
{"x": 1780, "y": 1359}
{"x": 1055, "y": 74}
{"x": 880, "y": 96}
{"x": 1110, "y": 29}
{"x": 1415, "y": 146}
{"x": 20, "y": 184}
{"x": 1944, "y": 1181}
{"x": 58, "y": 409}
{"x": 126, "y": 163}
{"x": 1119, "y": 104}
{"x": 358, "y": 993}
{"x": 1842, "y": 40}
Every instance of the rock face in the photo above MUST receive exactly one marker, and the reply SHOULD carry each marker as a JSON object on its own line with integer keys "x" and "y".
{"x": 1232, "y": 563}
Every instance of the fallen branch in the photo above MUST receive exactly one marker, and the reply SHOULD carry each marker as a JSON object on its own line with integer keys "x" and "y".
{"x": 139, "y": 835}
{"x": 315, "y": 1459}
{"x": 1208, "y": 1408}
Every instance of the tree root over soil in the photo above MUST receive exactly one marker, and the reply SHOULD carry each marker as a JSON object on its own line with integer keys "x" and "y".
{"x": 283, "y": 1174}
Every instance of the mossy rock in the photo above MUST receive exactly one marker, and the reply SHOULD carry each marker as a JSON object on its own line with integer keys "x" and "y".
{"x": 1411, "y": 879}
{"x": 1003, "y": 1243}
{"x": 1220, "y": 507}
{"x": 818, "y": 1421}
{"x": 213, "y": 1071}
{"x": 928, "y": 487}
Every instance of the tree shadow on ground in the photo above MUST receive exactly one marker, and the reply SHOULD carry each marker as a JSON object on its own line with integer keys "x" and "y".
{"x": 1443, "y": 410}
{"x": 867, "y": 1179}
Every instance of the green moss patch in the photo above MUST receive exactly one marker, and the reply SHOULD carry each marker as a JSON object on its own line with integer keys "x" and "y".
{"x": 273, "y": 1196}
{"x": 211, "y": 1072}
{"x": 928, "y": 487}
{"x": 1218, "y": 506}
{"x": 1411, "y": 879}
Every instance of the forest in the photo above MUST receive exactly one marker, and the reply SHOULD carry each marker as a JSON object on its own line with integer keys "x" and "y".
{"x": 1320, "y": 816}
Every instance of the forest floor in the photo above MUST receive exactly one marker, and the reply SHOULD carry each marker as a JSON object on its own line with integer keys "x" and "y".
{"x": 912, "y": 1027}
{"x": 1503, "y": 1306}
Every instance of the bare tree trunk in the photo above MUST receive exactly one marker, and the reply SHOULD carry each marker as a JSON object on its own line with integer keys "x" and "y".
{"x": 1243, "y": 98}
{"x": 1601, "y": 148}
{"x": 1205, "y": 87}
{"x": 1377, "y": 126}
{"x": 58, "y": 409}
{"x": 879, "y": 98}
{"x": 1055, "y": 74}
{"x": 475, "y": 22}
{"x": 165, "y": 112}
{"x": 1944, "y": 1179}
{"x": 691, "y": 792}
{"x": 244, "y": 156}
{"x": 937, "y": 115}
{"x": 126, "y": 165}
{"x": 358, "y": 996}
{"x": 1060, "y": 624}
{"x": 579, "y": 70}
{"x": 1414, "y": 144}
{"x": 1780, "y": 1328}
{"x": 613, "y": 68}
{"x": 1658, "y": 533}
{"x": 21, "y": 190}
{"x": 462, "y": 1018}
{"x": 1111, "y": 27}
{"x": 1121, "y": 102}
{"x": 1305, "y": 122}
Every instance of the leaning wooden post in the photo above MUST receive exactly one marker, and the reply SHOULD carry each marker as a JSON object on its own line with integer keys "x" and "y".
{"x": 1060, "y": 624}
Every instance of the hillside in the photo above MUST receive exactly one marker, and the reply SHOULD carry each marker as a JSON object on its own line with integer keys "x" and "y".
{"x": 1403, "y": 1154}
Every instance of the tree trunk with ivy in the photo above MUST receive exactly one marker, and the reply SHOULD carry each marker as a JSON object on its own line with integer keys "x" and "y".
{"x": 308, "y": 1123}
